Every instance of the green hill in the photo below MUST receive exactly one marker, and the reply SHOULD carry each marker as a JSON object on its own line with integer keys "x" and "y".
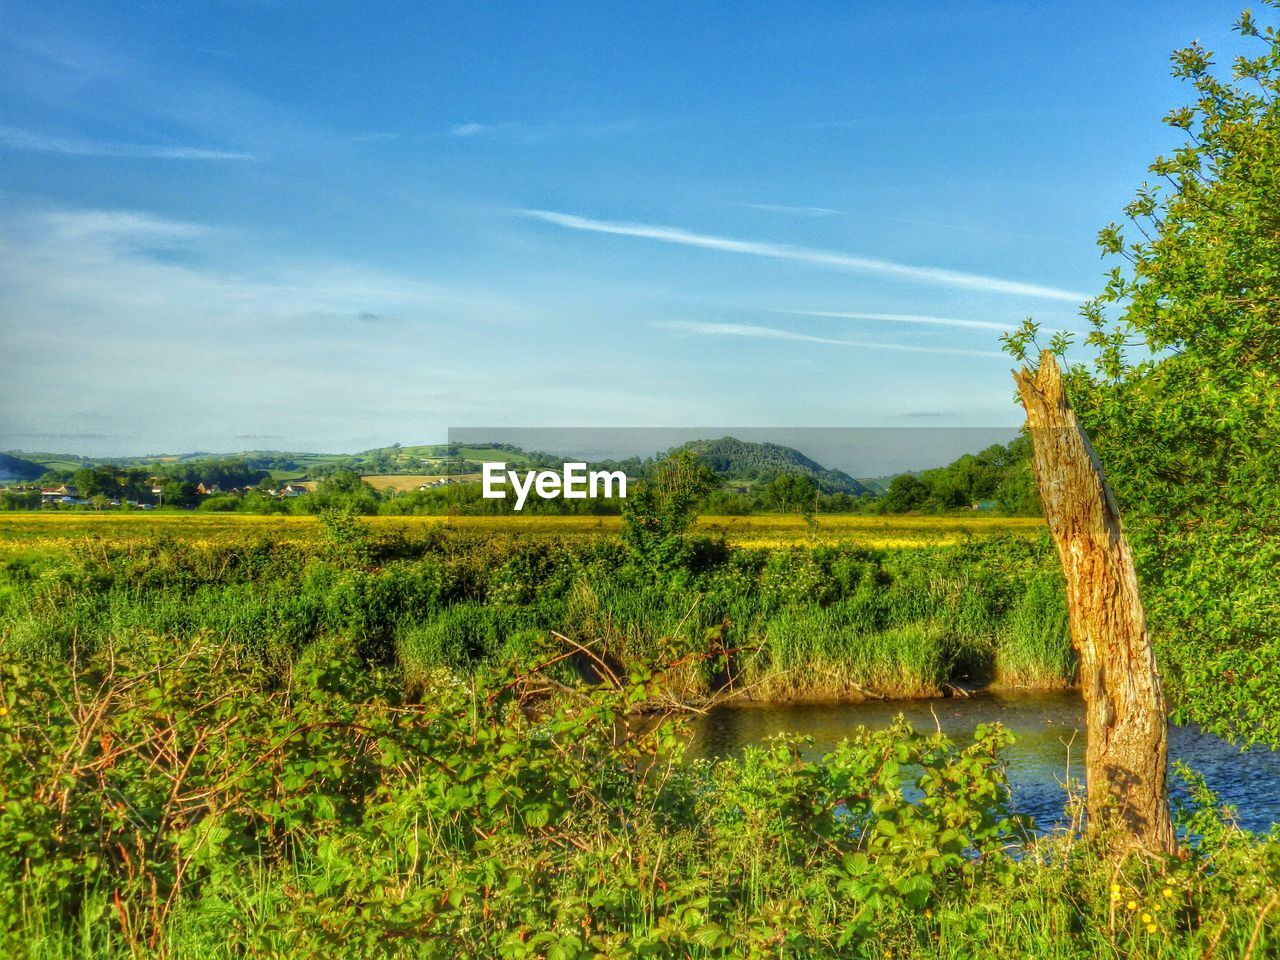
{"x": 15, "y": 469}
{"x": 736, "y": 459}
{"x": 732, "y": 459}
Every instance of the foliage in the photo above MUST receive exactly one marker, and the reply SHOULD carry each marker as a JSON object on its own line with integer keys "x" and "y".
{"x": 163, "y": 798}
{"x": 738, "y": 460}
{"x": 343, "y": 491}
{"x": 1183, "y": 399}
{"x": 806, "y": 622}
{"x": 660, "y": 509}
{"x": 143, "y": 783}
{"x": 1002, "y": 473}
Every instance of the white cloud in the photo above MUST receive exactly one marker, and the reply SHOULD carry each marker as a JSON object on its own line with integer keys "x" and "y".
{"x": 910, "y": 318}
{"x": 185, "y": 352}
{"x": 16, "y": 139}
{"x": 778, "y": 251}
{"x": 773, "y": 333}
{"x": 799, "y": 211}
{"x": 72, "y": 224}
{"x": 524, "y": 134}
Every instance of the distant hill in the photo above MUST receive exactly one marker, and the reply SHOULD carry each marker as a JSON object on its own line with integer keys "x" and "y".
{"x": 879, "y": 485}
{"x": 736, "y": 459}
{"x": 730, "y": 458}
{"x": 15, "y": 469}
{"x": 432, "y": 459}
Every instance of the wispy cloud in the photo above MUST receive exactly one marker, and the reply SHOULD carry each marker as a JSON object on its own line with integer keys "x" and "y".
{"x": 910, "y": 318}
{"x": 797, "y": 211}
{"x": 96, "y": 269}
{"x": 774, "y": 333}
{"x": 16, "y": 139}
{"x": 517, "y": 133}
{"x": 121, "y": 224}
{"x": 828, "y": 258}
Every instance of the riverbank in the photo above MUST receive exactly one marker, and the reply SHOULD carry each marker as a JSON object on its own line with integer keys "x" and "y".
{"x": 256, "y": 745}
{"x": 1043, "y": 764}
{"x": 812, "y": 622}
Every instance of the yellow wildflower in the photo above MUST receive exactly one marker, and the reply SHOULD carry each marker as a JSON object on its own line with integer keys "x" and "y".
{"x": 1132, "y": 904}
{"x": 1151, "y": 928}
{"x": 1146, "y": 918}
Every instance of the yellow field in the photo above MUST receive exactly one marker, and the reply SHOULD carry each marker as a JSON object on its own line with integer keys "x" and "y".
{"x": 20, "y": 531}
{"x": 400, "y": 482}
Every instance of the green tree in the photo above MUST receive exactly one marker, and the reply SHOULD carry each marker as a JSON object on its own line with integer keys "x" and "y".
{"x": 20, "y": 499}
{"x": 97, "y": 481}
{"x": 1183, "y": 399}
{"x": 661, "y": 508}
{"x": 177, "y": 493}
{"x": 344, "y": 491}
{"x": 791, "y": 493}
{"x": 906, "y": 492}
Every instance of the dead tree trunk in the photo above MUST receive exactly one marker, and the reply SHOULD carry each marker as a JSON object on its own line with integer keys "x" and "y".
{"x": 1126, "y": 753}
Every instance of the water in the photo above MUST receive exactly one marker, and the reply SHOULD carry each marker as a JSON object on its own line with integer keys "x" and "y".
{"x": 1049, "y": 749}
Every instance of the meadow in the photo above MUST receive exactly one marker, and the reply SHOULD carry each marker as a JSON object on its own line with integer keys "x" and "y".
{"x": 32, "y": 529}
{"x": 262, "y": 736}
{"x": 864, "y": 607}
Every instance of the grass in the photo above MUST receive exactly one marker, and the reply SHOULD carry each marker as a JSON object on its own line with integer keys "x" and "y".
{"x": 311, "y": 726}
{"x": 168, "y": 801}
{"x": 820, "y": 621}
{"x": 402, "y": 482}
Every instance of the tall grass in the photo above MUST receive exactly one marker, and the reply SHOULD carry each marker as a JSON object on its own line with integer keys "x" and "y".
{"x": 820, "y": 622}
{"x": 1035, "y": 649}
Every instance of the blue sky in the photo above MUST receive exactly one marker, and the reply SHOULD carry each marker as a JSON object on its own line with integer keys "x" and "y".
{"x": 243, "y": 225}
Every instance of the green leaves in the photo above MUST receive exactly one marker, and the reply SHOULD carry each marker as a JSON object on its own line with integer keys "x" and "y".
{"x": 661, "y": 508}
{"x": 1182, "y": 400}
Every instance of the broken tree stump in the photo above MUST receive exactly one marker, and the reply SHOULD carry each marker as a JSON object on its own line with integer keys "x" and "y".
{"x": 1126, "y": 755}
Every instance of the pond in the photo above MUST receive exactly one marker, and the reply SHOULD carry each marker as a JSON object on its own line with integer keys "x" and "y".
{"x": 1049, "y": 728}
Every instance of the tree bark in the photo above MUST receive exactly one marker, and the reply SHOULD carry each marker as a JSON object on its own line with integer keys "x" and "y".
{"x": 1126, "y": 754}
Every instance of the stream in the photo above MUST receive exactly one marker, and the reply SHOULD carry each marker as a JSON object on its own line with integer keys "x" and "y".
{"x": 1049, "y": 728}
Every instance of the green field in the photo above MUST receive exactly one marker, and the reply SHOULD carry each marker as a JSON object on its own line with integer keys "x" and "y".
{"x": 22, "y": 530}
{"x": 227, "y": 736}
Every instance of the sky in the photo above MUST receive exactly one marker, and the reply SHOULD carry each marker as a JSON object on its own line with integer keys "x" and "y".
{"x": 332, "y": 226}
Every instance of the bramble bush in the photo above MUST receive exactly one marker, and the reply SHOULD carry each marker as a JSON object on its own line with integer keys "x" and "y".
{"x": 141, "y": 786}
{"x": 173, "y": 799}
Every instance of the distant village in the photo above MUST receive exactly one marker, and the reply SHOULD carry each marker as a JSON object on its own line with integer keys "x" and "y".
{"x": 66, "y": 495}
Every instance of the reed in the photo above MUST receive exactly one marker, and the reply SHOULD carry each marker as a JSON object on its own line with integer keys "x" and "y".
{"x": 812, "y": 622}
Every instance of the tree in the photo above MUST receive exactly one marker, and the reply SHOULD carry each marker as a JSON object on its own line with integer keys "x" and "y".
{"x": 20, "y": 499}
{"x": 1126, "y": 750}
{"x": 1183, "y": 399}
{"x": 97, "y": 481}
{"x": 660, "y": 509}
{"x": 177, "y": 493}
{"x": 791, "y": 493}
{"x": 345, "y": 490}
{"x": 906, "y": 492}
